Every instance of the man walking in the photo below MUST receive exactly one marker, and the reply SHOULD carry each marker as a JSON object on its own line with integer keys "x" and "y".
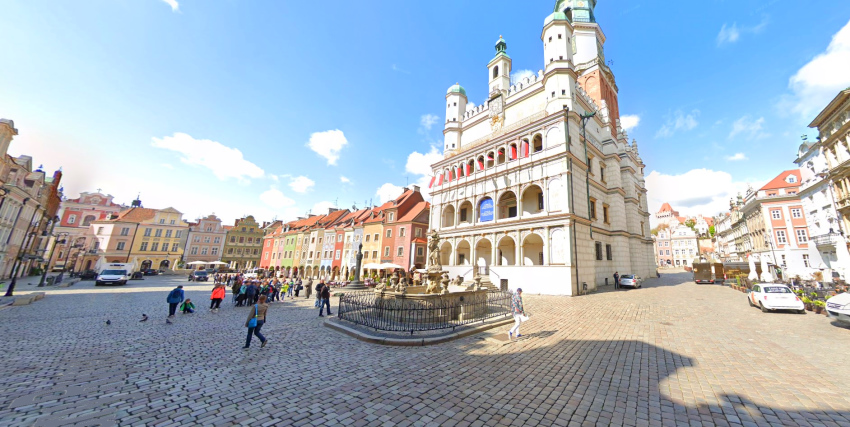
{"x": 616, "y": 280}
{"x": 175, "y": 297}
{"x": 324, "y": 292}
{"x": 518, "y": 311}
{"x": 309, "y": 287}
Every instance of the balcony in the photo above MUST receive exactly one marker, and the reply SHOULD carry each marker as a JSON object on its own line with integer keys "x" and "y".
{"x": 825, "y": 240}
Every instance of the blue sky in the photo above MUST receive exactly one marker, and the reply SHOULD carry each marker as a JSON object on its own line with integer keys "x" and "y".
{"x": 274, "y": 108}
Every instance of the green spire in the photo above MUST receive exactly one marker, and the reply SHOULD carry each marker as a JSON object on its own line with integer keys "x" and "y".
{"x": 501, "y": 46}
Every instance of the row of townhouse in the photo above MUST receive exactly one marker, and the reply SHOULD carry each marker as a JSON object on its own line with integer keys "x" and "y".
{"x": 326, "y": 245}
{"x": 29, "y": 203}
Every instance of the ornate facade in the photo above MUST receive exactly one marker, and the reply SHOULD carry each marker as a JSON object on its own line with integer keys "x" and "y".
{"x": 539, "y": 184}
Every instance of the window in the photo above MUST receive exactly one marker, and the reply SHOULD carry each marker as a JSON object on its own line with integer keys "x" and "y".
{"x": 172, "y": 222}
{"x": 168, "y": 233}
{"x": 791, "y": 179}
{"x": 178, "y": 233}
{"x": 197, "y": 239}
{"x": 593, "y": 209}
{"x": 162, "y": 221}
{"x": 147, "y": 232}
{"x": 806, "y": 260}
{"x": 796, "y": 213}
{"x": 392, "y": 217}
{"x": 418, "y": 231}
{"x": 367, "y": 237}
{"x": 206, "y": 238}
{"x": 214, "y": 251}
{"x": 374, "y": 254}
{"x": 389, "y": 233}
{"x": 232, "y": 239}
{"x": 667, "y": 252}
{"x": 802, "y": 235}
{"x": 175, "y": 247}
{"x": 377, "y": 236}
{"x": 609, "y": 253}
{"x": 99, "y": 230}
{"x": 780, "y": 237}
{"x": 366, "y": 255}
{"x": 311, "y": 254}
{"x": 256, "y": 251}
{"x": 666, "y": 244}
{"x": 119, "y": 247}
{"x": 320, "y": 240}
{"x": 154, "y": 246}
{"x": 143, "y": 247}
{"x": 776, "y": 214}
{"x": 401, "y": 232}
{"x": 230, "y": 251}
{"x": 337, "y": 254}
{"x": 386, "y": 251}
{"x": 158, "y": 233}
{"x": 400, "y": 251}
{"x": 251, "y": 240}
{"x": 605, "y": 214}
{"x": 194, "y": 250}
{"x": 125, "y": 231}
{"x": 339, "y": 238}
{"x": 599, "y": 251}
{"x": 602, "y": 172}
{"x": 204, "y": 250}
{"x": 241, "y": 239}
{"x": 661, "y": 252}
{"x": 72, "y": 219}
{"x": 420, "y": 251}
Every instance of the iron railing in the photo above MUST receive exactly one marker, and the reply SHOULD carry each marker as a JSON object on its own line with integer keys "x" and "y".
{"x": 410, "y": 314}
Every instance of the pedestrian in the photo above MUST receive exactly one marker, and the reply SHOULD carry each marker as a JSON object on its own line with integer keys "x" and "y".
{"x": 290, "y": 290}
{"x": 188, "y": 306}
{"x": 298, "y": 287}
{"x": 308, "y": 288}
{"x": 234, "y": 288}
{"x": 326, "y": 298}
{"x": 285, "y": 289}
{"x": 276, "y": 295}
{"x": 256, "y": 319}
{"x": 216, "y": 297}
{"x": 250, "y": 293}
{"x": 319, "y": 296}
{"x": 518, "y": 311}
{"x": 616, "y": 280}
{"x": 174, "y": 297}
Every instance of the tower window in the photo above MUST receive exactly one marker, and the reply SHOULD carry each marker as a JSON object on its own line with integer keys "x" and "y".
{"x": 455, "y": 104}
{"x": 496, "y": 71}
{"x": 550, "y": 39}
{"x": 559, "y": 37}
{"x": 561, "y": 58}
{"x": 553, "y": 94}
{"x": 563, "y": 91}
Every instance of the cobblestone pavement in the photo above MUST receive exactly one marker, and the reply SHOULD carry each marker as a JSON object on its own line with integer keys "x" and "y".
{"x": 672, "y": 353}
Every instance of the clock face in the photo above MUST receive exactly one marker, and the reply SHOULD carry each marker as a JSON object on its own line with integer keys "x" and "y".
{"x": 581, "y": 4}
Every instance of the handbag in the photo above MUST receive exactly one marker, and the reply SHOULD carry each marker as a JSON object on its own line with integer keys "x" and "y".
{"x": 253, "y": 322}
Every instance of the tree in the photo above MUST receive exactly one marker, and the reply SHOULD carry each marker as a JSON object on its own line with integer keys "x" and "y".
{"x": 691, "y": 224}
{"x": 711, "y": 231}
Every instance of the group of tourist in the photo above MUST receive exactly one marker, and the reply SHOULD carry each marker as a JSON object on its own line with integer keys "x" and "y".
{"x": 254, "y": 293}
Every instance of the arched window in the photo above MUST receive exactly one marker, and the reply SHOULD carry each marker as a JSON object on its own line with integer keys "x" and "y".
{"x": 538, "y": 143}
{"x": 88, "y": 219}
{"x": 491, "y": 159}
{"x": 501, "y": 156}
{"x": 513, "y": 152}
{"x": 495, "y": 71}
{"x": 508, "y": 205}
{"x": 525, "y": 148}
{"x": 470, "y": 167}
{"x": 481, "y": 163}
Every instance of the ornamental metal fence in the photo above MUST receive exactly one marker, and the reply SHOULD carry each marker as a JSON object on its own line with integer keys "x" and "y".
{"x": 399, "y": 313}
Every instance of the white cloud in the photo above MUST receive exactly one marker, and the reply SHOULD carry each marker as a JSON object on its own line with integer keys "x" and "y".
{"x": 736, "y": 157}
{"x": 301, "y": 184}
{"x": 678, "y": 121}
{"x": 344, "y": 180}
{"x": 816, "y": 83}
{"x": 167, "y": 166}
{"x": 328, "y": 144}
{"x": 388, "y": 192}
{"x": 420, "y": 164}
{"x": 174, "y": 5}
{"x": 748, "y": 127}
{"x": 629, "y": 121}
{"x": 321, "y": 208}
{"x": 698, "y": 191}
{"x": 399, "y": 69}
{"x": 427, "y": 121}
{"x": 276, "y": 199}
{"x": 225, "y": 162}
{"x": 731, "y": 34}
{"x": 470, "y": 105}
{"x": 518, "y": 75}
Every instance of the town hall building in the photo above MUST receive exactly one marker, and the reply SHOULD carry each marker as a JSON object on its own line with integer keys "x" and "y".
{"x": 521, "y": 194}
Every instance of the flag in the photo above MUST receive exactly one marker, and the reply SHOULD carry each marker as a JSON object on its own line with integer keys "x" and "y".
{"x": 490, "y": 156}
{"x": 440, "y": 182}
{"x": 468, "y": 169}
{"x": 525, "y": 149}
{"x": 480, "y": 165}
{"x": 513, "y": 152}
{"x": 432, "y": 181}
{"x": 459, "y": 171}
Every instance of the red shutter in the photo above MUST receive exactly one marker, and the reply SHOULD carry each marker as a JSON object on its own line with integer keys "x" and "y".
{"x": 513, "y": 152}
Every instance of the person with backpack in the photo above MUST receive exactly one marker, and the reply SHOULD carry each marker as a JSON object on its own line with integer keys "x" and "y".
{"x": 175, "y": 297}
{"x": 217, "y": 297}
{"x": 256, "y": 319}
{"x": 251, "y": 293}
{"x": 325, "y": 294}
{"x": 243, "y": 295}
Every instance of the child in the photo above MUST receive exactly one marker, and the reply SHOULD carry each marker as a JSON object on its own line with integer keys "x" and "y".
{"x": 285, "y": 289}
{"x": 187, "y": 307}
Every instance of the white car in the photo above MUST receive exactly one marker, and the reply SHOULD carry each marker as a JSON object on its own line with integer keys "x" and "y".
{"x": 630, "y": 280}
{"x": 838, "y": 307}
{"x": 112, "y": 277}
{"x": 770, "y": 296}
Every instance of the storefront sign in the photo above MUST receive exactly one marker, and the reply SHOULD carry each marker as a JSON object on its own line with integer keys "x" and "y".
{"x": 485, "y": 210}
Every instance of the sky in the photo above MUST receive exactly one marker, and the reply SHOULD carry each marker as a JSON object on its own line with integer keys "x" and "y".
{"x": 277, "y": 108}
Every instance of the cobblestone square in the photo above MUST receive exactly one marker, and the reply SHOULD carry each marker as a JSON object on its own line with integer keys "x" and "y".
{"x": 671, "y": 353}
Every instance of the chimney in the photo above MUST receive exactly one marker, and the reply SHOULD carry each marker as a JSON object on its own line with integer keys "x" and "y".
{"x": 415, "y": 188}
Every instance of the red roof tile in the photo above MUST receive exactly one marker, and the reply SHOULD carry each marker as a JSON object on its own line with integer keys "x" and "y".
{"x": 780, "y": 180}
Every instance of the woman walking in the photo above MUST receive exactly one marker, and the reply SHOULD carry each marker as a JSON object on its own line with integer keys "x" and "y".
{"x": 217, "y": 297}
{"x": 256, "y": 319}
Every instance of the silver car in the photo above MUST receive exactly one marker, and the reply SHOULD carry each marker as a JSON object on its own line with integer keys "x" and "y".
{"x": 630, "y": 280}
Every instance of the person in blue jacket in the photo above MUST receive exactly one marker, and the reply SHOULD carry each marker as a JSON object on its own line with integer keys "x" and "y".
{"x": 175, "y": 297}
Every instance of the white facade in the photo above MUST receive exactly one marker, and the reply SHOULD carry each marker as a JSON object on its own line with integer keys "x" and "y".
{"x": 520, "y": 195}
{"x": 685, "y": 247}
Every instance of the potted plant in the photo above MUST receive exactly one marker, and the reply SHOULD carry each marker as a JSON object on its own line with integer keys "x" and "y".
{"x": 808, "y": 303}
{"x": 819, "y": 306}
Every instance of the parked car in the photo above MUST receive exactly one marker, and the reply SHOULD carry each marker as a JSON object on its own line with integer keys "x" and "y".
{"x": 88, "y": 275}
{"x": 838, "y": 307}
{"x": 630, "y": 280}
{"x": 199, "y": 276}
{"x": 772, "y": 296}
{"x": 150, "y": 272}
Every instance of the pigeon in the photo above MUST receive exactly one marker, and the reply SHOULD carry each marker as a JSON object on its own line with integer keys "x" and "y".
{"x": 144, "y": 318}
{"x": 168, "y": 321}
{"x": 108, "y": 322}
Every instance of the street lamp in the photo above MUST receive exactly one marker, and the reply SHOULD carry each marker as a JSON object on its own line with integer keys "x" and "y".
{"x": 58, "y": 241}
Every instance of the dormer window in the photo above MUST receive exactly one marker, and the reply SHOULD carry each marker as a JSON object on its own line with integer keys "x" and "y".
{"x": 791, "y": 179}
